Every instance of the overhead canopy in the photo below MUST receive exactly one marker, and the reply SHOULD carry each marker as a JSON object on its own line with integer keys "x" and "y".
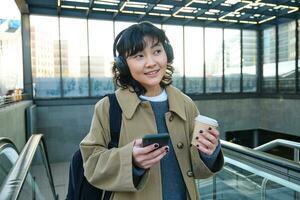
{"x": 241, "y": 13}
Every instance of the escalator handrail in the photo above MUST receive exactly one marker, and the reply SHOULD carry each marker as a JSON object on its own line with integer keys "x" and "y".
{"x": 6, "y": 142}
{"x": 278, "y": 142}
{"x": 13, "y": 184}
{"x": 282, "y": 162}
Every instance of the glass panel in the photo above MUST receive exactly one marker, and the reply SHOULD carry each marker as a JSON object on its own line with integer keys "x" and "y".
{"x": 120, "y": 26}
{"x": 11, "y": 59}
{"x": 298, "y": 53}
{"x": 193, "y": 38}
{"x": 101, "y": 56}
{"x": 249, "y": 60}
{"x": 45, "y": 56}
{"x": 8, "y": 158}
{"x": 232, "y": 60}
{"x": 175, "y": 35}
{"x": 236, "y": 183}
{"x": 37, "y": 184}
{"x": 74, "y": 56}
{"x": 269, "y": 62}
{"x": 286, "y": 56}
{"x": 213, "y": 60}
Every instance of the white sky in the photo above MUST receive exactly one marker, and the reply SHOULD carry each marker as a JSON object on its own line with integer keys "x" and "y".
{"x": 9, "y": 10}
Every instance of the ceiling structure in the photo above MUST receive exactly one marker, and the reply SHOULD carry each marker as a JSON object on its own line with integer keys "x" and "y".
{"x": 241, "y": 13}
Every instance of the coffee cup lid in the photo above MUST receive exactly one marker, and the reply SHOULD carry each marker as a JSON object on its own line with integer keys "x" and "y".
{"x": 207, "y": 120}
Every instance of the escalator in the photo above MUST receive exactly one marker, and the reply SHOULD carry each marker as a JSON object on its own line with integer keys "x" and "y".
{"x": 252, "y": 175}
{"x": 27, "y": 175}
{"x": 249, "y": 174}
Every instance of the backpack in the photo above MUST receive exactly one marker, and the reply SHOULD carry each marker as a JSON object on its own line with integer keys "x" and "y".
{"x": 79, "y": 188}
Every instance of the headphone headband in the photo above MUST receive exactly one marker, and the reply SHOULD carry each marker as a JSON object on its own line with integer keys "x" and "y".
{"x": 116, "y": 42}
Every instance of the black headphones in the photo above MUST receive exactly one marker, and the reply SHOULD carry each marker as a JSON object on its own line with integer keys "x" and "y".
{"x": 120, "y": 61}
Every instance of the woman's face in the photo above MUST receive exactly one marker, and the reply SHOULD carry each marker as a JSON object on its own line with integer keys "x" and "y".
{"x": 148, "y": 67}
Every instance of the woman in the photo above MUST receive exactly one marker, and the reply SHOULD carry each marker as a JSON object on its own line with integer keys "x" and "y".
{"x": 150, "y": 105}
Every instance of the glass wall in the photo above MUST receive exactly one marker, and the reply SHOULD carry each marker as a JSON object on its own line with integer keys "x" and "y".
{"x": 175, "y": 35}
{"x": 213, "y": 59}
{"x": 101, "y": 56}
{"x": 11, "y": 63}
{"x": 286, "y": 56}
{"x": 249, "y": 60}
{"x": 269, "y": 60}
{"x": 74, "y": 56}
{"x": 232, "y": 60}
{"x": 45, "y": 56}
{"x": 298, "y": 53}
{"x": 193, "y": 56}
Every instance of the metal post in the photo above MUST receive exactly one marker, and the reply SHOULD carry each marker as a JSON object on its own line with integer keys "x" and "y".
{"x": 214, "y": 187}
{"x": 263, "y": 189}
{"x": 296, "y": 155}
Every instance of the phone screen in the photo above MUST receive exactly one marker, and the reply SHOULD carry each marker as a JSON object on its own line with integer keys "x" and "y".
{"x": 162, "y": 139}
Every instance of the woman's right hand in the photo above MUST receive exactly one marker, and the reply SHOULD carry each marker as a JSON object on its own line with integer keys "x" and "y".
{"x": 146, "y": 157}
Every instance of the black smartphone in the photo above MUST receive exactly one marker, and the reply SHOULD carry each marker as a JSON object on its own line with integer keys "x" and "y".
{"x": 162, "y": 139}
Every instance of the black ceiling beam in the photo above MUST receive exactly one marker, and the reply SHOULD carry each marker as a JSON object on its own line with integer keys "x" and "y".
{"x": 149, "y": 9}
{"x": 91, "y": 4}
{"x": 117, "y": 13}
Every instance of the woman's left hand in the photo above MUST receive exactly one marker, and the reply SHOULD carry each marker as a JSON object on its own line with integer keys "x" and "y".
{"x": 207, "y": 141}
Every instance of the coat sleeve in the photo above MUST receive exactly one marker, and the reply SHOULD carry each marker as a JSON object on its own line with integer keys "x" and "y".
{"x": 107, "y": 169}
{"x": 200, "y": 170}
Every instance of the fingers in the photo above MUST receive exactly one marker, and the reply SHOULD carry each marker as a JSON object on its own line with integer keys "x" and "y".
{"x": 207, "y": 141}
{"x": 159, "y": 154}
{"x": 145, "y": 157}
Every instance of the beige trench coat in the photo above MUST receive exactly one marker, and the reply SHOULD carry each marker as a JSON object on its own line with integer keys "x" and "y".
{"x": 112, "y": 169}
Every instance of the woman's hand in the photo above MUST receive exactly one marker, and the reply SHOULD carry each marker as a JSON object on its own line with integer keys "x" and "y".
{"x": 146, "y": 157}
{"x": 207, "y": 140}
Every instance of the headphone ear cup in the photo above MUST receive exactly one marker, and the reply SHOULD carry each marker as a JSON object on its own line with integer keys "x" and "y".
{"x": 121, "y": 65}
{"x": 169, "y": 51}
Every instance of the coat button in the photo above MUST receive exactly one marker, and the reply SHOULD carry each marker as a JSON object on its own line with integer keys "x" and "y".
{"x": 171, "y": 117}
{"x": 179, "y": 145}
{"x": 190, "y": 173}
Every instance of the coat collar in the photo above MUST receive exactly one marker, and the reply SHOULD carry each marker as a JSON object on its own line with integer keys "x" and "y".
{"x": 129, "y": 101}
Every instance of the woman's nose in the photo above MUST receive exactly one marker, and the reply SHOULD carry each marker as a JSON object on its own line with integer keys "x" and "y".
{"x": 150, "y": 61}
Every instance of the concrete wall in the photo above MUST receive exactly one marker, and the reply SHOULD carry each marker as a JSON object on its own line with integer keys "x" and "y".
{"x": 65, "y": 126}
{"x": 12, "y": 123}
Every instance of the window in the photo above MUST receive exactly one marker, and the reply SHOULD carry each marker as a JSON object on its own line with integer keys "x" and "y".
{"x": 298, "y": 53}
{"x": 45, "y": 56}
{"x": 286, "y": 57}
{"x": 193, "y": 53}
{"x": 269, "y": 61}
{"x": 175, "y": 35}
{"x": 249, "y": 60}
{"x": 232, "y": 60}
{"x": 74, "y": 57}
{"x": 101, "y": 56}
{"x": 120, "y": 26}
{"x": 11, "y": 63}
{"x": 213, "y": 60}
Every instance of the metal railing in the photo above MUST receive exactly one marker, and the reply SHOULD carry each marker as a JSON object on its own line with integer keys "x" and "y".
{"x": 281, "y": 142}
{"x": 12, "y": 186}
{"x": 10, "y": 99}
{"x": 252, "y": 174}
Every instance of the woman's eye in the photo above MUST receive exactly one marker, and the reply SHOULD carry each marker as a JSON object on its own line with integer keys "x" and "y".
{"x": 158, "y": 51}
{"x": 138, "y": 56}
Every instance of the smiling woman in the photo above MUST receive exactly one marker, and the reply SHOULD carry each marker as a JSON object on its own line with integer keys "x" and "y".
{"x": 149, "y": 66}
{"x": 150, "y": 105}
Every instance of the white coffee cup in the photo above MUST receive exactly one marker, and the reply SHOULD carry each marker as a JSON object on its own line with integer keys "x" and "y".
{"x": 203, "y": 123}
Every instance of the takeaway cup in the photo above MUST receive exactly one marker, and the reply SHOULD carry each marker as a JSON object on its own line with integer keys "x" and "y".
{"x": 203, "y": 123}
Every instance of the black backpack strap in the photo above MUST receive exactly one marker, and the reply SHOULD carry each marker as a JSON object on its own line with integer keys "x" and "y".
{"x": 115, "y": 120}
